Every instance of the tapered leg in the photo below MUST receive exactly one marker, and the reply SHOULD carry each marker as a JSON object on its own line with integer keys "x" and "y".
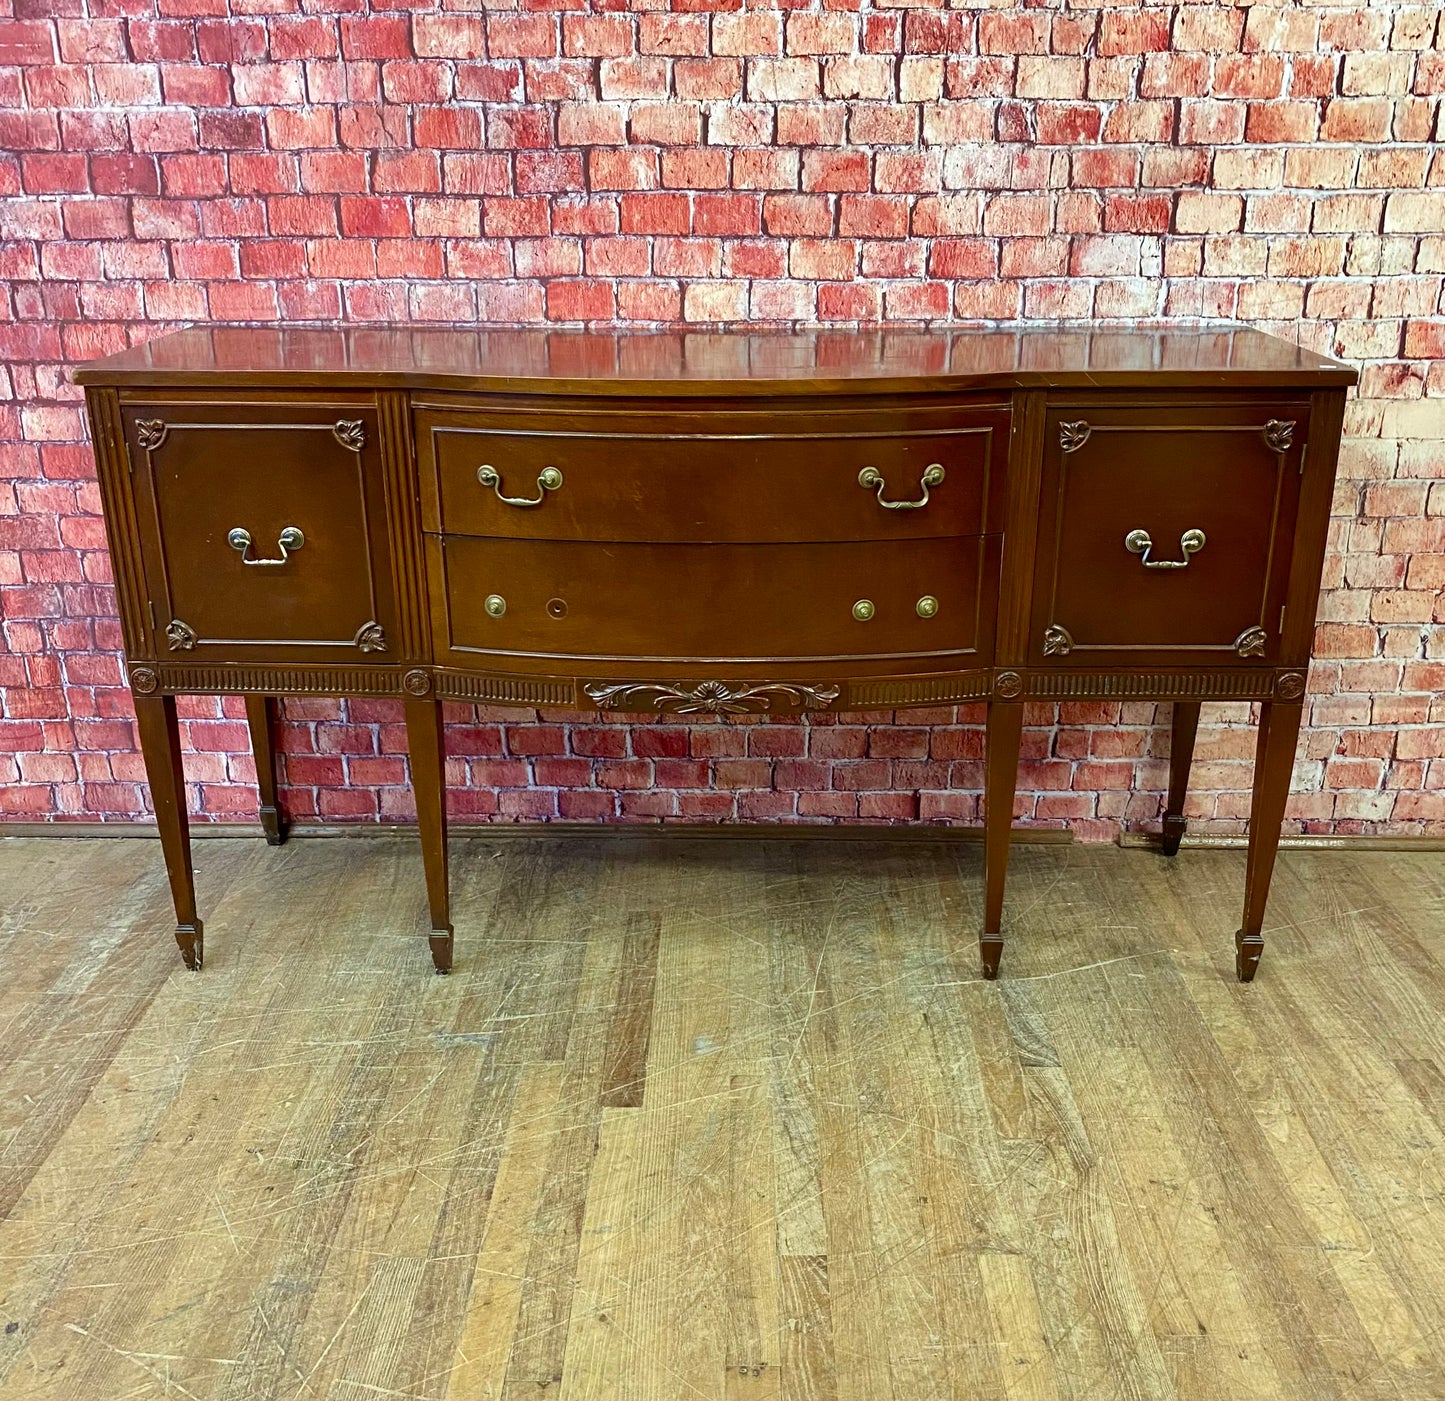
{"x": 1273, "y": 765}
{"x": 1005, "y": 727}
{"x": 1181, "y": 755}
{"x": 261, "y": 717}
{"x": 160, "y": 742}
{"x": 428, "y": 777}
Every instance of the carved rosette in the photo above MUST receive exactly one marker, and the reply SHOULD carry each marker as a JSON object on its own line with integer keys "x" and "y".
{"x": 708, "y": 697}
{"x": 1279, "y": 434}
{"x": 350, "y": 433}
{"x": 143, "y": 680}
{"x": 417, "y": 683}
{"x": 182, "y": 637}
{"x": 1057, "y": 641}
{"x": 1073, "y": 436}
{"x": 1251, "y": 642}
{"x": 1008, "y": 684}
{"x": 150, "y": 433}
{"x": 370, "y": 637}
{"x": 1290, "y": 686}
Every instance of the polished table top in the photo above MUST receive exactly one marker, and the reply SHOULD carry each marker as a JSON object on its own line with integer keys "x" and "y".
{"x": 683, "y": 362}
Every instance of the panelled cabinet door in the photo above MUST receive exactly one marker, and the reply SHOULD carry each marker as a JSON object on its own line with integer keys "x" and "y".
{"x": 263, "y": 529}
{"x": 1165, "y": 533}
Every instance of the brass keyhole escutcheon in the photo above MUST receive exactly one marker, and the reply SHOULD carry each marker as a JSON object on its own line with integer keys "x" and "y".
{"x": 926, "y": 606}
{"x": 863, "y": 609}
{"x": 556, "y": 608}
{"x": 495, "y": 605}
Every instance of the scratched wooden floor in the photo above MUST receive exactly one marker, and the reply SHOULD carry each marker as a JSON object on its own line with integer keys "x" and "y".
{"x": 704, "y": 1119}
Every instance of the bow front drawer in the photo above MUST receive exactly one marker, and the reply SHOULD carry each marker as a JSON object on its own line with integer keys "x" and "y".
{"x": 263, "y": 534}
{"x": 710, "y": 476}
{"x": 686, "y": 603}
{"x": 1167, "y": 531}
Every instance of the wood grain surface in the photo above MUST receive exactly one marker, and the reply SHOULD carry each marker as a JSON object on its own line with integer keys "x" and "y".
{"x": 719, "y": 1120}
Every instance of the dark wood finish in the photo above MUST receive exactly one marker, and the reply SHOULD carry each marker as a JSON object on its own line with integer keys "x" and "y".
{"x": 571, "y": 604}
{"x": 1273, "y": 764}
{"x": 160, "y": 743}
{"x": 740, "y": 475}
{"x": 1184, "y": 723}
{"x": 427, "y": 744}
{"x": 684, "y": 363}
{"x": 261, "y": 718}
{"x": 703, "y": 539}
{"x": 1005, "y": 729}
{"x": 204, "y": 470}
{"x": 1166, "y": 468}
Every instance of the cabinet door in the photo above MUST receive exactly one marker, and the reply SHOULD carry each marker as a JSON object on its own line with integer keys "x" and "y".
{"x": 263, "y": 529}
{"x": 1165, "y": 533}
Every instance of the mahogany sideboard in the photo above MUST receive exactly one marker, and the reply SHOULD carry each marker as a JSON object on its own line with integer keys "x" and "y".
{"x": 719, "y": 523}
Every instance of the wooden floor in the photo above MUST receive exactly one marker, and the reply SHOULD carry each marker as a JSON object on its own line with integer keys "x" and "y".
{"x": 719, "y": 1119}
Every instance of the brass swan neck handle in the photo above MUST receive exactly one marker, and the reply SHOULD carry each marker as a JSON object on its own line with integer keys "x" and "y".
{"x": 549, "y": 479}
{"x": 290, "y": 539}
{"x": 871, "y": 477}
{"x": 1137, "y": 542}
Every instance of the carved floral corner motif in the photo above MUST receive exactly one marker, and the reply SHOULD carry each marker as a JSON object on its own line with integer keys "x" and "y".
{"x": 1073, "y": 436}
{"x": 370, "y": 637}
{"x": 1057, "y": 641}
{"x": 150, "y": 433}
{"x": 181, "y": 636}
{"x": 1279, "y": 434}
{"x": 708, "y": 697}
{"x": 350, "y": 433}
{"x": 1251, "y": 642}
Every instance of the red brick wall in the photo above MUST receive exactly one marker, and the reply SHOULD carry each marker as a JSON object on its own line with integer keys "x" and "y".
{"x": 166, "y": 161}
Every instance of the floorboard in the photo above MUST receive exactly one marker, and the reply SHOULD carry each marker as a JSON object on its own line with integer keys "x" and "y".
{"x": 719, "y": 1119}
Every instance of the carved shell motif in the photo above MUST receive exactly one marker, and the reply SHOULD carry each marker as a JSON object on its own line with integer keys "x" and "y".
{"x": 1073, "y": 436}
{"x": 708, "y": 697}
{"x": 350, "y": 433}
{"x": 181, "y": 636}
{"x": 370, "y": 637}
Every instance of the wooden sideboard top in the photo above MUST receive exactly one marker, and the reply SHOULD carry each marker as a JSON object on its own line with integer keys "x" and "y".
{"x": 699, "y": 362}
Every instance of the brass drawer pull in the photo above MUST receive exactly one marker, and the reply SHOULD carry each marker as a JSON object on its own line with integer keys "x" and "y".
{"x": 290, "y": 539}
{"x": 871, "y": 477}
{"x": 1137, "y": 542}
{"x": 549, "y": 480}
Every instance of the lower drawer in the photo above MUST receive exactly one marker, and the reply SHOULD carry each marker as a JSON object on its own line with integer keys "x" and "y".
{"x": 577, "y": 599}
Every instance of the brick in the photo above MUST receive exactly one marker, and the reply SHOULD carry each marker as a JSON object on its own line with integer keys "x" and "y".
{"x": 1356, "y": 120}
{"x": 795, "y": 215}
{"x": 1208, "y": 213}
{"x": 840, "y": 171}
{"x": 827, "y": 33}
{"x": 747, "y": 34}
{"x": 673, "y": 34}
{"x": 710, "y": 78}
{"x": 1123, "y": 32}
{"x": 597, "y": 36}
{"x": 866, "y": 76}
{"x": 822, "y": 260}
{"x": 782, "y": 79}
